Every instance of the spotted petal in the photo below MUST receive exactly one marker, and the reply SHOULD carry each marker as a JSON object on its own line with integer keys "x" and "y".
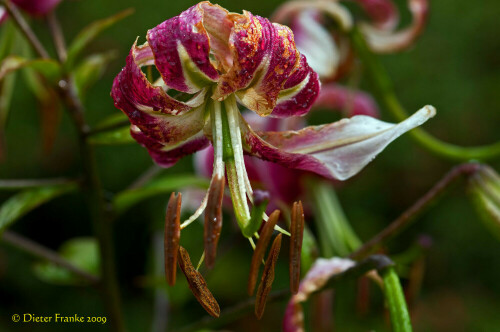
{"x": 265, "y": 62}
{"x": 338, "y": 150}
{"x": 384, "y": 41}
{"x": 299, "y": 92}
{"x": 167, "y": 155}
{"x": 181, "y": 46}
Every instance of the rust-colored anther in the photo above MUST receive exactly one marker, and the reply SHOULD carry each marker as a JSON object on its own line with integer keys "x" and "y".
{"x": 198, "y": 285}
{"x": 297, "y": 233}
{"x": 267, "y": 279}
{"x": 260, "y": 249}
{"x": 172, "y": 236}
{"x": 213, "y": 219}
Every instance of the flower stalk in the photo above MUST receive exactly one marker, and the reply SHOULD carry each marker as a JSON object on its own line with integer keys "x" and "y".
{"x": 384, "y": 91}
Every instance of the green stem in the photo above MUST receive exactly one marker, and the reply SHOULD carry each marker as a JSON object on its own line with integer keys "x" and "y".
{"x": 400, "y": 318}
{"x": 335, "y": 232}
{"x": 408, "y": 216}
{"x": 99, "y": 210}
{"x": 386, "y": 96}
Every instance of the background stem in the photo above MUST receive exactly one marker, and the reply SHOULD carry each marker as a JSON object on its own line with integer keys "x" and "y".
{"x": 386, "y": 96}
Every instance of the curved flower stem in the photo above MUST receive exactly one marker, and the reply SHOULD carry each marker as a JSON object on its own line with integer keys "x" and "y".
{"x": 38, "y": 250}
{"x": 386, "y": 95}
{"x": 100, "y": 213}
{"x": 25, "y": 29}
{"x": 409, "y": 215}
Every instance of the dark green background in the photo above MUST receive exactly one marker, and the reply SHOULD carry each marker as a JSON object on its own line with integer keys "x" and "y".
{"x": 455, "y": 66}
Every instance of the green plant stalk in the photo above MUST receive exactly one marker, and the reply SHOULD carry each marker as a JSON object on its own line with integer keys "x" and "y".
{"x": 100, "y": 211}
{"x": 384, "y": 91}
{"x": 336, "y": 235}
{"x": 400, "y": 318}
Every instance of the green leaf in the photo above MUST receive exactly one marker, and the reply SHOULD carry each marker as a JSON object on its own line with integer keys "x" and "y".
{"x": 49, "y": 68}
{"x": 20, "y": 204}
{"x": 113, "y": 130}
{"x": 161, "y": 185}
{"x": 8, "y": 34}
{"x": 113, "y": 137}
{"x": 90, "y": 70}
{"x": 82, "y": 252}
{"x": 89, "y": 33}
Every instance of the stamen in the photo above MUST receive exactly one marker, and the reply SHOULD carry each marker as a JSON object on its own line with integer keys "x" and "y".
{"x": 297, "y": 230}
{"x": 198, "y": 285}
{"x": 197, "y": 213}
{"x": 213, "y": 218}
{"x": 267, "y": 279}
{"x": 260, "y": 249}
{"x": 172, "y": 236}
{"x": 251, "y": 243}
{"x": 202, "y": 258}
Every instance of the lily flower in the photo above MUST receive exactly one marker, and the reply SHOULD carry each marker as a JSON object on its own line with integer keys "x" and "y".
{"x": 211, "y": 60}
{"x": 37, "y": 7}
{"x": 328, "y": 50}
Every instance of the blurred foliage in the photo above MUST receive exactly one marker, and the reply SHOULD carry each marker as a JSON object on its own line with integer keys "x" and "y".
{"x": 454, "y": 66}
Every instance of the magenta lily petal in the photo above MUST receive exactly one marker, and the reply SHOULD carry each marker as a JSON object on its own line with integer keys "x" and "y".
{"x": 168, "y": 155}
{"x": 383, "y": 41}
{"x": 181, "y": 48}
{"x": 383, "y": 13}
{"x": 337, "y": 97}
{"x": 37, "y": 7}
{"x": 336, "y": 151}
{"x": 299, "y": 92}
{"x": 149, "y": 107}
{"x": 318, "y": 275}
{"x": 266, "y": 67}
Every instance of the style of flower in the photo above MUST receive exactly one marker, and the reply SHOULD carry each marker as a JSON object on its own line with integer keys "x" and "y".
{"x": 209, "y": 61}
{"x": 328, "y": 50}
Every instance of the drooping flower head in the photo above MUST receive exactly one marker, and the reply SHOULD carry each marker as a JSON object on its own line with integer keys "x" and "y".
{"x": 210, "y": 60}
{"x": 326, "y": 45}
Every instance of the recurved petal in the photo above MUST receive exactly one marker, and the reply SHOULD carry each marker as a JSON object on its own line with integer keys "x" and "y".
{"x": 338, "y": 150}
{"x": 384, "y": 41}
{"x": 264, "y": 57}
{"x": 181, "y": 46}
{"x": 383, "y": 13}
{"x": 150, "y": 108}
{"x": 315, "y": 42}
{"x": 167, "y": 155}
{"x": 317, "y": 276}
{"x": 299, "y": 92}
